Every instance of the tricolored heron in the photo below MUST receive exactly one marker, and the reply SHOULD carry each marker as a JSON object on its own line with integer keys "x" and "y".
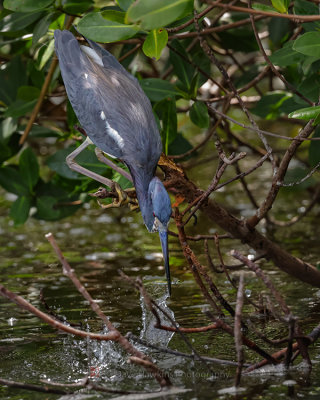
{"x": 117, "y": 117}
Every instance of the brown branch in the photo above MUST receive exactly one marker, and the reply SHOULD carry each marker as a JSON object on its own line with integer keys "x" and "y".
{"x": 21, "y": 302}
{"x": 220, "y": 28}
{"x": 34, "y": 388}
{"x": 238, "y": 229}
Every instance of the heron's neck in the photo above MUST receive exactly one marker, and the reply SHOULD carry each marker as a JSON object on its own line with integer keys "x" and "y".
{"x": 141, "y": 183}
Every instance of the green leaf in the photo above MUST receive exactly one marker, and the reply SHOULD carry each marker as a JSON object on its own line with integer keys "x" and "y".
{"x": 305, "y": 113}
{"x": 5, "y": 152}
{"x": 308, "y": 44}
{"x": 42, "y": 26}
{"x": 316, "y": 120}
{"x": 12, "y": 181}
{"x": 183, "y": 69}
{"x": 7, "y": 127}
{"x": 29, "y": 167}
{"x": 241, "y": 39}
{"x": 155, "y": 42}
{"x": 46, "y": 208}
{"x": 279, "y": 31}
{"x": 20, "y": 209}
{"x": 26, "y": 5}
{"x": 158, "y": 89}
{"x": 270, "y": 105}
{"x": 281, "y": 5}
{"x": 124, "y": 4}
{"x": 304, "y": 7}
{"x": 57, "y": 162}
{"x": 309, "y": 87}
{"x": 28, "y": 93}
{"x": 114, "y": 15}
{"x": 76, "y": 6}
{"x": 263, "y": 7}
{"x": 18, "y": 21}
{"x": 87, "y": 158}
{"x": 123, "y": 182}
{"x": 314, "y": 149}
{"x": 286, "y": 56}
{"x": 179, "y": 145}
{"x": 19, "y": 108}
{"x": 167, "y": 112}
{"x": 38, "y": 131}
{"x": 200, "y": 59}
{"x": 97, "y": 28}
{"x": 47, "y": 54}
{"x": 158, "y": 13}
{"x": 9, "y": 147}
{"x": 52, "y": 202}
{"x": 12, "y": 77}
{"x": 199, "y": 114}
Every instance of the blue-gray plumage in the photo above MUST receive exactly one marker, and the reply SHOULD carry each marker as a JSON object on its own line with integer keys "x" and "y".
{"x": 117, "y": 116}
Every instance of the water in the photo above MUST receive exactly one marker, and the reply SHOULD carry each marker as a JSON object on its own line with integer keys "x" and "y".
{"x": 98, "y": 244}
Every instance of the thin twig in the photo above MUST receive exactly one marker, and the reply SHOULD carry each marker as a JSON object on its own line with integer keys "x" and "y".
{"x": 237, "y": 330}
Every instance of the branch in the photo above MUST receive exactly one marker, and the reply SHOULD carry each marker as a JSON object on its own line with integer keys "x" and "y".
{"x": 300, "y": 18}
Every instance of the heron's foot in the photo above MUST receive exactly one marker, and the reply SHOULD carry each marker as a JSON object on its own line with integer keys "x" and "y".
{"x": 119, "y": 196}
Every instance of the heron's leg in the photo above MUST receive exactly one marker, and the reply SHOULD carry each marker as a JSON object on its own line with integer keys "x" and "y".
{"x": 122, "y": 194}
{"x": 105, "y": 160}
{"x": 72, "y": 164}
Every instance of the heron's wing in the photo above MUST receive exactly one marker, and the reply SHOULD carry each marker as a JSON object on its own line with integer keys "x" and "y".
{"x": 82, "y": 89}
{"x": 109, "y": 61}
{"x": 109, "y": 102}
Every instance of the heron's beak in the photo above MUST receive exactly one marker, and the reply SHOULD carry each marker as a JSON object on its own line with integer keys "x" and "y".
{"x": 164, "y": 244}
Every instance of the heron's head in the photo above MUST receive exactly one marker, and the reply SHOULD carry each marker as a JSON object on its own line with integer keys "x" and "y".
{"x": 161, "y": 211}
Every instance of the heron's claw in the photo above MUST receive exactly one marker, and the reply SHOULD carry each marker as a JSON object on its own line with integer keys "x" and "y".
{"x": 122, "y": 196}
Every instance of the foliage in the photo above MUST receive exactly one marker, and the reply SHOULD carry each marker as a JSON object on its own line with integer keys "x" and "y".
{"x": 27, "y": 49}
